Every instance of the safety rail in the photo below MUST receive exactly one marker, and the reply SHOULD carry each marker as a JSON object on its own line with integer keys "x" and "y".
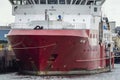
{"x": 49, "y": 25}
{"x": 72, "y": 2}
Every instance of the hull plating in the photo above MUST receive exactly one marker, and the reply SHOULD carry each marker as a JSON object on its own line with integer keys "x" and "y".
{"x": 56, "y": 50}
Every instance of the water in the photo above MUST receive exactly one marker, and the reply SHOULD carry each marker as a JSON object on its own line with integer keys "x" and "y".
{"x": 114, "y": 75}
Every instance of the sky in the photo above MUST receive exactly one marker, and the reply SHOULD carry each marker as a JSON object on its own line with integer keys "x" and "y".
{"x": 5, "y": 13}
{"x": 111, "y": 9}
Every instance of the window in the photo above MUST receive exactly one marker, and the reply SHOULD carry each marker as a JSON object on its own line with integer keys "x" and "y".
{"x": 42, "y": 1}
{"x": 16, "y": 2}
{"x": 98, "y": 2}
{"x": 73, "y": 2}
{"x": 68, "y": 1}
{"x": 61, "y": 1}
{"x": 78, "y": 1}
{"x": 83, "y": 2}
{"x": 90, "y": 35}
{"x": 36, "y": 1}
{"x": 90, "y": 2}
{"x": 93, "y": 35}
{"x": 96, "y": 36}
{"x": 52, "y": 1}
{"x": 95, "y": 9}
{"x": 19, "y": 2}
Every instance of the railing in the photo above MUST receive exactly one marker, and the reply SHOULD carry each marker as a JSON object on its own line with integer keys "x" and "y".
{"x": 50, "y": 25}
{"x": 73, "y": 2}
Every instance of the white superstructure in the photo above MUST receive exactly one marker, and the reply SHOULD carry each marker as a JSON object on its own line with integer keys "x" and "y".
{"x": 57, "y": 14}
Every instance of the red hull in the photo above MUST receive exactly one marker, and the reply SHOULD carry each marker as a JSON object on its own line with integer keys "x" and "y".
{"x": 57, "y": 50}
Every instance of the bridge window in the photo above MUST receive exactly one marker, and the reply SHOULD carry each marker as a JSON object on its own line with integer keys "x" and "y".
{"x": 95, "y": 9}
{"x": 61, "y": 1}
{"x": 37, "y": 1}
{"x": 43, "y": 1}
{"x": 90, "y": 35}
{"x": 83, "y": 2}
{"x": 52, "y": 1}
{"x": 68, "y": 1}
{"x": 29, "y": 2}
{"x": 73, "y": 2}
{"x": 90, "y": 2}
{"x": 98, "y": 2}
{"x": 16, "y": 2}
{"x": 76, "y": 2}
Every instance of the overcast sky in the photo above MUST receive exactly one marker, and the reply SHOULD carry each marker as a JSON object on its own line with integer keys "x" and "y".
{"x": 111, "y": 8}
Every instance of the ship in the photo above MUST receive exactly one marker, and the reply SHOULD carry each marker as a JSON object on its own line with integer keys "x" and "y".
{"x": 116, "y": 49}
{"x": 55, "y": 37}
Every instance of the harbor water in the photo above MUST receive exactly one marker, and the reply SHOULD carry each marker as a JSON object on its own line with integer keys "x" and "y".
{"x": 114, "y": 75}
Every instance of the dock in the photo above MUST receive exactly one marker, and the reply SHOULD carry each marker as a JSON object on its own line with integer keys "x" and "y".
{"x": 7, "y": 56}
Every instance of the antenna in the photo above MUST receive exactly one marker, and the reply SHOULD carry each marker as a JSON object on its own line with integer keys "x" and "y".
{"x": 46, "y": 16}
{"x": 101, "y": 30}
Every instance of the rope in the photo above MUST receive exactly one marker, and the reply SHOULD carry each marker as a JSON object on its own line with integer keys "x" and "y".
{"x": 17, "y": 43}
{"x": 36, "y": 47}
{"x": 89, "y": 60}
